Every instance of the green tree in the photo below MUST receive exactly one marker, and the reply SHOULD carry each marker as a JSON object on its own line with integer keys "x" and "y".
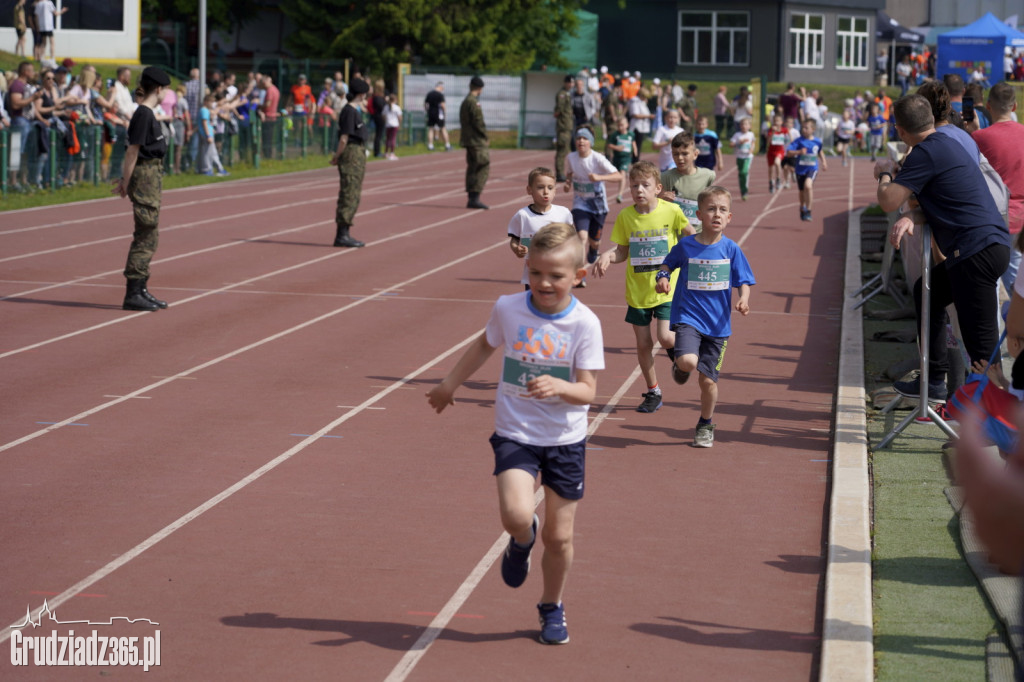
{"x": 222, "y": 14}
{"x": 483, "y": 35}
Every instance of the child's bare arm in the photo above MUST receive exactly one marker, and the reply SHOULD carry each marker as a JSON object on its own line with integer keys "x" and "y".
{"x": 607, "y": 177}
{"x": 580, "y": 392}
{"x": 616, "y": 255}
{"x": 743, "y": 303}
{"x": 443, "y": 395}
{"x": 517, "y": 246}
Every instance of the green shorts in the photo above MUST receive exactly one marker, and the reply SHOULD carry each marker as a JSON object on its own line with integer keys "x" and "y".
{"x": 641, "y": 317}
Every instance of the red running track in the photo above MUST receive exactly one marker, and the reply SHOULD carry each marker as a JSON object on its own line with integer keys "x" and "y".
{"x": 257, "y": 471}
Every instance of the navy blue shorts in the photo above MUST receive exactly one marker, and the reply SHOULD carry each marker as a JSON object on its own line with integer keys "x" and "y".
{"x": 710, "y": 350}
{"x": 560, "y": 466}
{"x": 592, "y": 223}
{"x": 801, "y": 180}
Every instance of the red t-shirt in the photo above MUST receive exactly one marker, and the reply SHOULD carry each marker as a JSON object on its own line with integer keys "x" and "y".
{"x": 1003, "y": 145}
{"x": 271, "y": 101}
{"x": 778, "y": 140}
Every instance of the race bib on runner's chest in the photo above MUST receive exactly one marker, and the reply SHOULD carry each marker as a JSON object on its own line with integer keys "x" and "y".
{"x": 779, "y": 139}
{"x": 689, "y": 207}
{"x": 518, "y": 370}
{"x": 647, "y": 250}
{"x": 707, "y": 275}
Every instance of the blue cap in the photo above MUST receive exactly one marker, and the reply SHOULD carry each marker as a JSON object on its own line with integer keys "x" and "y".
{"x": 585, "y": 133}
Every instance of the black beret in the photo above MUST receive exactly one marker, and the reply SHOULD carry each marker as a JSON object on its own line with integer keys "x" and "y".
{"x": 569, "y": 78}
{"x": 358, "y": 86}
{"x": 156, "y": 75}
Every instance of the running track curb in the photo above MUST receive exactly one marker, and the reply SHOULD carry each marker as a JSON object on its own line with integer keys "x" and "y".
{"x": 847, "y": 650}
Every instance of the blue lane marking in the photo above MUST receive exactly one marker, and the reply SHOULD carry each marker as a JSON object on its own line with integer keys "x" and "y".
{"x": 307, "y": 435}
{"x": 72, "y": 424}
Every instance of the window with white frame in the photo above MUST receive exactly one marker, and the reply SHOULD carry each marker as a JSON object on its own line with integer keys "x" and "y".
{"x": 806, "y": 40}
{"x": 852, "y": 40}
{"x": 714, "y": 38}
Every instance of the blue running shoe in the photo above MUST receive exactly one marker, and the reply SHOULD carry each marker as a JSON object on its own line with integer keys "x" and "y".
{"x": 552, "y": 624}
{"x": 515, "y": 562}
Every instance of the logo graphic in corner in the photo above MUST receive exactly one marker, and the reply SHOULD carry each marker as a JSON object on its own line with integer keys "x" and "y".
{"x": 93, "y": 649}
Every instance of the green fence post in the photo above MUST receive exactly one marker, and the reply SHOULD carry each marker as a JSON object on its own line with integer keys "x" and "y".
{"x": 97, "y": 152}
{"x": 4, "y": 141}
{"x": 257, "y": 141}
{"x": 169, "y": 157}
{"x": 282, "y": 135}
{"x": 304, "y": 137}
{"x": 52, "y": 170}
{"x": 228, "y": 145}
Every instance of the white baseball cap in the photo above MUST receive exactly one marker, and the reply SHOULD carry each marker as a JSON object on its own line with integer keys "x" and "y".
{"x": 625, "y": 74}
{"x": 604, "y": 69}
{"x": 656, "y": 81}
{"x": 593, "y": 71}
{"x": 637, "y": 74}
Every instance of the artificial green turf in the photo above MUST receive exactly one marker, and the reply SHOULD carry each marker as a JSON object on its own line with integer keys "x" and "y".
{"x": 930, "y": 616}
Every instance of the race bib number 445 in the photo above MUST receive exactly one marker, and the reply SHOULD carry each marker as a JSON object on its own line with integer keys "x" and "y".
{"x": 707, "y": 275}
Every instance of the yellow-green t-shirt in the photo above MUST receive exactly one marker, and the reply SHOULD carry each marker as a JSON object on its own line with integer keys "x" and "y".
{"x": 649, "y": 236}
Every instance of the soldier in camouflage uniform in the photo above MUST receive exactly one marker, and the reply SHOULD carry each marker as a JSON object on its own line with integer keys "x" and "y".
{"x": 350, "y": 158}
{"x": 563, "y": 127}
{"x": 142, "y": 181}
{"x": 473, "y": 137}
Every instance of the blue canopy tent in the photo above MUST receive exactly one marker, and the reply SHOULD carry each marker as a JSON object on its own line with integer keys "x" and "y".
{"x": 981, "y": 43}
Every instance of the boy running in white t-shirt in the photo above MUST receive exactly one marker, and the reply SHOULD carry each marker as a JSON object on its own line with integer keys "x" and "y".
{"x": 743, "y": 145}
{"x": 541, "y": 187}
{"x": 662, "y": 140}
{"x": 586, "y": 174}
{"x": 553, "y": 348}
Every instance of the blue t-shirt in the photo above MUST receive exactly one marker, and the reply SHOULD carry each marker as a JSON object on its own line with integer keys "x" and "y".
{"x": 964, "y": 138}
{"x": 706, "y": 143}
{"x": 807, "y": 161}
{"x": 205, "y": 122}
{"x": 703, "y": 293}
{"x": 954, "y": 197}
{"x": 877, "y": 124}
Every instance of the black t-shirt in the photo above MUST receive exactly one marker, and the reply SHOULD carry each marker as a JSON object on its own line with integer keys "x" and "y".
{"x": 350, "y": 122}
{"x": 579, "y": 109}
{"x": 145, "y": 131}
{"x": 433, "y": 100}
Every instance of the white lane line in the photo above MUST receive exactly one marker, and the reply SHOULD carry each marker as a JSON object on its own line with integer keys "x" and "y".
{"x": 257, "y": 278}
{"x": 85, "y": 583}
{"x": 238, "y": 351}
{"x": 441, "y": 620}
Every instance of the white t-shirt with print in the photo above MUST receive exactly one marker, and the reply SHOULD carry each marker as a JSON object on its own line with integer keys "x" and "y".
{"x": 392, "y": 115}
{"x": 534, "y": 343}
{"x": 587, "y": 195}
{"x": 665, "y": 134}
{"x": 526, "y": 222}
{"x": 743, "y": 144}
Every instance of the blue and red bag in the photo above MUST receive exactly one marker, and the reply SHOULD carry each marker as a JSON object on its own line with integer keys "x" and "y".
{"x": 998, "y": 407}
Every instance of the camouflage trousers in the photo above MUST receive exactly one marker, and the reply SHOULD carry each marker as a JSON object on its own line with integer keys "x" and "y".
{"x": 563, "y": 145}
{"x": 351, "y": 168}
{"x": 144, "y": 188}
{"x": 478, "y": 166}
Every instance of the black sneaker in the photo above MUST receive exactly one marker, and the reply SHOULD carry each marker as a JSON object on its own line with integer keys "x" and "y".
{"x": 651, "y": 403}
{"x": 515, "y": 562}
{"x": 912, "y": 389}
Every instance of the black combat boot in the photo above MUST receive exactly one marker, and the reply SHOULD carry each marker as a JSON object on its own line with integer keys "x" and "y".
{"x": 133, "y": 298}
{"x": 150, "y": 297}
{"x": 343, "y": 238}
{"x": 474, "y": 201}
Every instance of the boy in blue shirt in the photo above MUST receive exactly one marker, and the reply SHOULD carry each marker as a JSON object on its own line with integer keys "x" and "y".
{"x": 877, "y": 125}
{"x": 713, "y": 265}
{"x": 808, "y": 152}
{"x": 709, "y": 152}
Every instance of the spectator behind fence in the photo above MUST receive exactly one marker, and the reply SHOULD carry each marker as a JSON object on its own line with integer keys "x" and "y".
{"x": 23, "y": 96}
{"x": 181, "y": 126}
{"x": 392, "y": 121}
{"x": 967, "y": 229}
{"x": 268, "y": 114}
{"x": 1002, "y": 143}
{"x": 46, "y": 15}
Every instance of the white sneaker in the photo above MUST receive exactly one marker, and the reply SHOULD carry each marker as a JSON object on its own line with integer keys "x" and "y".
{"x": 430, "y": 147}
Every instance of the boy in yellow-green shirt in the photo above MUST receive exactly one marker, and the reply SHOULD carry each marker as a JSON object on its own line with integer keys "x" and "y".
{"x": 643, "y": 235}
